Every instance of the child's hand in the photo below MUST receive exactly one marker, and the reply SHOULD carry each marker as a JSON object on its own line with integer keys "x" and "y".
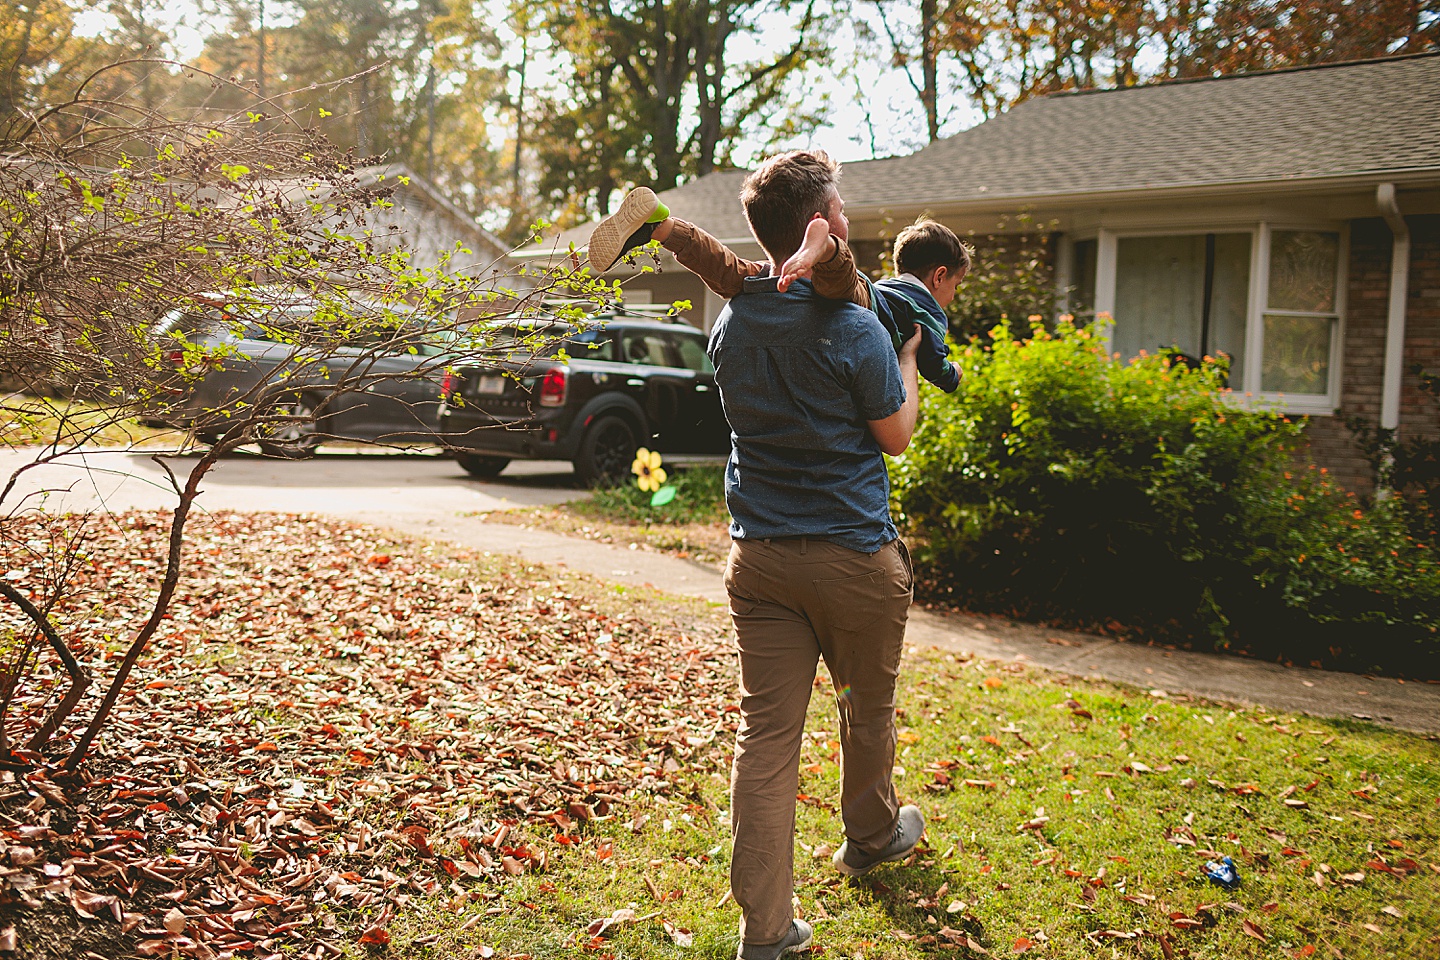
{"x": 813, "y": 249}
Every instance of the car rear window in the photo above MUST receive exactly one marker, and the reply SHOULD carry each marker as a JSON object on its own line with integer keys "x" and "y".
{"x": 194, "y": 326}
{"x": 692, "y": 353}
{"x": 649, "y": 347}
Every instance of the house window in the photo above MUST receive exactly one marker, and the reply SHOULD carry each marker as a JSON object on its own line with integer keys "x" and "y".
{"x": 1082, "y": 294}
{"x": 1188, "y": 293}
{"x": 1269, "y": 298}
{"x": 1301, "y": 312}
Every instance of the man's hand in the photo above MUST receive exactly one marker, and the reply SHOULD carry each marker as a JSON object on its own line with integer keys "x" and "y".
{"x": 816, "y": 247}
{"x": 894, "y": 432}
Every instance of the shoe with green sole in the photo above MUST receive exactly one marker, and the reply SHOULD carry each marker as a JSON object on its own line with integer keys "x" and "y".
{"x": 630, "y": 226}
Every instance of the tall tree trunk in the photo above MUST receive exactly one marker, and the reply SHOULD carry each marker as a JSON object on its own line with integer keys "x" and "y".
{"x": 929, "y": 21}
{"x": 260, "y": 52}
{"x": 710, "y": 70}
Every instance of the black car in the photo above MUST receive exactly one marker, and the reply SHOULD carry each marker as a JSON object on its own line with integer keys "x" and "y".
{"x": 592, "y": 395}
{"x": 231, "y": 358}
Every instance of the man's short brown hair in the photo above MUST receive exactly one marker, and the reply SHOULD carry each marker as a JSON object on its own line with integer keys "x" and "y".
{"x": 927, "y": 244}
{"x": 783, "y": 195}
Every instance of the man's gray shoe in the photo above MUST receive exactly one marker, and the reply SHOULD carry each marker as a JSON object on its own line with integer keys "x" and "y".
{"x": 797, "y": 941}
{"x": 909, "y": 827}
{"x": 625, "y": 229}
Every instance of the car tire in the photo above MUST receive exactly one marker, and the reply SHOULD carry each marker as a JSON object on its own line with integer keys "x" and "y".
{"x": 478, "y": 465}
{"x": 606, "y": 452}
{"x": 299, "y": 436}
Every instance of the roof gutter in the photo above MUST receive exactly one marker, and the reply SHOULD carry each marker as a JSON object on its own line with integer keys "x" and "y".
{"x": 1395, "y": 320}
{"x": 1424, "y": 177}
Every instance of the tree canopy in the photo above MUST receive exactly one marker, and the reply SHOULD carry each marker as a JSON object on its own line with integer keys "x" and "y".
{"x": 547, "y": 109}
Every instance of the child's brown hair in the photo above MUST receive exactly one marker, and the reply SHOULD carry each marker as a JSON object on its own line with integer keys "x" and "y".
{"x": 927, "y": 244}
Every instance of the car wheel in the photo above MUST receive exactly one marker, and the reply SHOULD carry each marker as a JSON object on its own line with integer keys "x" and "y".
{"x": 297, "y": 435}
{"x": 606, "y": 452}
{"x": 484, "y": 467}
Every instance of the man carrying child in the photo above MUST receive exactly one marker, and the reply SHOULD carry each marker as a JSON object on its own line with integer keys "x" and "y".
{"x": 931, "y": 261}
{"x": 816, "y": 390}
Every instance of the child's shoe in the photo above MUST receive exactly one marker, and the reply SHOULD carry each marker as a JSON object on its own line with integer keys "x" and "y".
{"x": 628, "y": 227}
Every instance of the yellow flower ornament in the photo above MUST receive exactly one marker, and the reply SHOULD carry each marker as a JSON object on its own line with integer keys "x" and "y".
{"x": 647, "y": 468}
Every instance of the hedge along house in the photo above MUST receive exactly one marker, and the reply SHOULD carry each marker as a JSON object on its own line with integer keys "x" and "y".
{"x": 1289, "y": 219}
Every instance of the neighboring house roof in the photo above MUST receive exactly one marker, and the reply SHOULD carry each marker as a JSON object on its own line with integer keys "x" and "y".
{"x": 420, "y": 206}
{"x": 1311, "y": 123}
{"x": 1375, "y": 118}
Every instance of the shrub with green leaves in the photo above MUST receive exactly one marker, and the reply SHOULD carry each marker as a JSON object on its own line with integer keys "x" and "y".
{"x": 1059, "y": 483}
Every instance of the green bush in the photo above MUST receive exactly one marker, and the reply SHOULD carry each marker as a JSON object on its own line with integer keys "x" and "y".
{"x": 1060, "y": 484}
{"x": 1009, "y": 278}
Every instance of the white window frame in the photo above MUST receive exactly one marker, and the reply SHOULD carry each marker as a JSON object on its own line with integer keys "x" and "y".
{"x": 1248, "y": 392}
{"x": 1307, "y": 404}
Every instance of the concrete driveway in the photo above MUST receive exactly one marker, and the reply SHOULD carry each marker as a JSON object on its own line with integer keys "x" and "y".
{"x": 419, "y": 493}
{"x": 348, "y": 482}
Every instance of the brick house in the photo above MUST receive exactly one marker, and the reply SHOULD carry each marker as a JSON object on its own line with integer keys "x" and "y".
{"x": 1290, "y": 219}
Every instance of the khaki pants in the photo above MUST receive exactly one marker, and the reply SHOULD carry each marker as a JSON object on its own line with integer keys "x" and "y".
{"x": 793, "y": 601}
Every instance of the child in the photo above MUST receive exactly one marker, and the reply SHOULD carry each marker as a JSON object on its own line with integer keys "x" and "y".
{"x": 931, "y": 259}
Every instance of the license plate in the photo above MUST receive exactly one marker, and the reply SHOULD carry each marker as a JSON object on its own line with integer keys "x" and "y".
{"x": 490, "y": 386}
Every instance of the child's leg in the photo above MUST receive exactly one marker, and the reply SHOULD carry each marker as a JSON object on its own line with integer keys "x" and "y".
{"x": 838, "y": 278}
{"x": 707, "y": 258}
{"x": 641, "y": 217}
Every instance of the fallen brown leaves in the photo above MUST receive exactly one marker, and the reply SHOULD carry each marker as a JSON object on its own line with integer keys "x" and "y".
{"x": 329, "y": 724}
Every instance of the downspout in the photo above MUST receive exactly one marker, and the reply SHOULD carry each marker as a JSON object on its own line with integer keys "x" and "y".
{"x": 1395, "y": 321}
{"x": 1399, "y": 290}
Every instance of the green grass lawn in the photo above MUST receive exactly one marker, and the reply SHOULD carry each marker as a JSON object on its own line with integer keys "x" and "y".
{"x": 27, "y": 421}
{"x": 694, "y": 525}
{"x": 1067, "y": 819}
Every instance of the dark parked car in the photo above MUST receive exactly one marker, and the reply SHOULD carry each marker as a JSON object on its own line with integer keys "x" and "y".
{"x": 225, "y": 355}
{"x": 592, "y": 396}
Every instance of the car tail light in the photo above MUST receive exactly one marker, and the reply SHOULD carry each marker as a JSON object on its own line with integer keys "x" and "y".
{"x": 552, "y": 388}
{"x": 177, "y": 357}
{"x": 447, "y": 385}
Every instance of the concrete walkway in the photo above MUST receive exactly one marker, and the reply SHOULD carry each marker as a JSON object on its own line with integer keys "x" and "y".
{"x": 431, "y": 497}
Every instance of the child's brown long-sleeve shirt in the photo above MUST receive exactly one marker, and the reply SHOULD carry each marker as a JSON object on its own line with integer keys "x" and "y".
{"x": 724, "y": 272}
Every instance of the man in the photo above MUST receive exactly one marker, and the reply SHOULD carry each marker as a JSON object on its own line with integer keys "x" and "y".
{"x": 814, "y": 394}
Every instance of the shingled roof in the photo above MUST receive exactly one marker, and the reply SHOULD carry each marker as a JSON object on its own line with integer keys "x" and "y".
{"x": 1323, "y": 122}
{"x": 1367, "y": 118}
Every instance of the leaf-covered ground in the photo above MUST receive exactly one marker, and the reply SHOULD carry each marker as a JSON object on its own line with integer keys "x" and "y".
{"x": 342, "y": 745}
{"x": 329, "y": 725}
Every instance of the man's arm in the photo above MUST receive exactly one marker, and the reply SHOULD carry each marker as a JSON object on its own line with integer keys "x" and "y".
{"x": 894, "y": 432}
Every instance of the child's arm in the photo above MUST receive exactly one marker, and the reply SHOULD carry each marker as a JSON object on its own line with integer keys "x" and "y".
{"x": 933, "y": 360}
{"x": 707, "y": 258}
{"x": 828, "y": 262}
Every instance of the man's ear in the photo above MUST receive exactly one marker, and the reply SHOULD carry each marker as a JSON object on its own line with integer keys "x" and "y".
{"x": 937, "y": 277}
